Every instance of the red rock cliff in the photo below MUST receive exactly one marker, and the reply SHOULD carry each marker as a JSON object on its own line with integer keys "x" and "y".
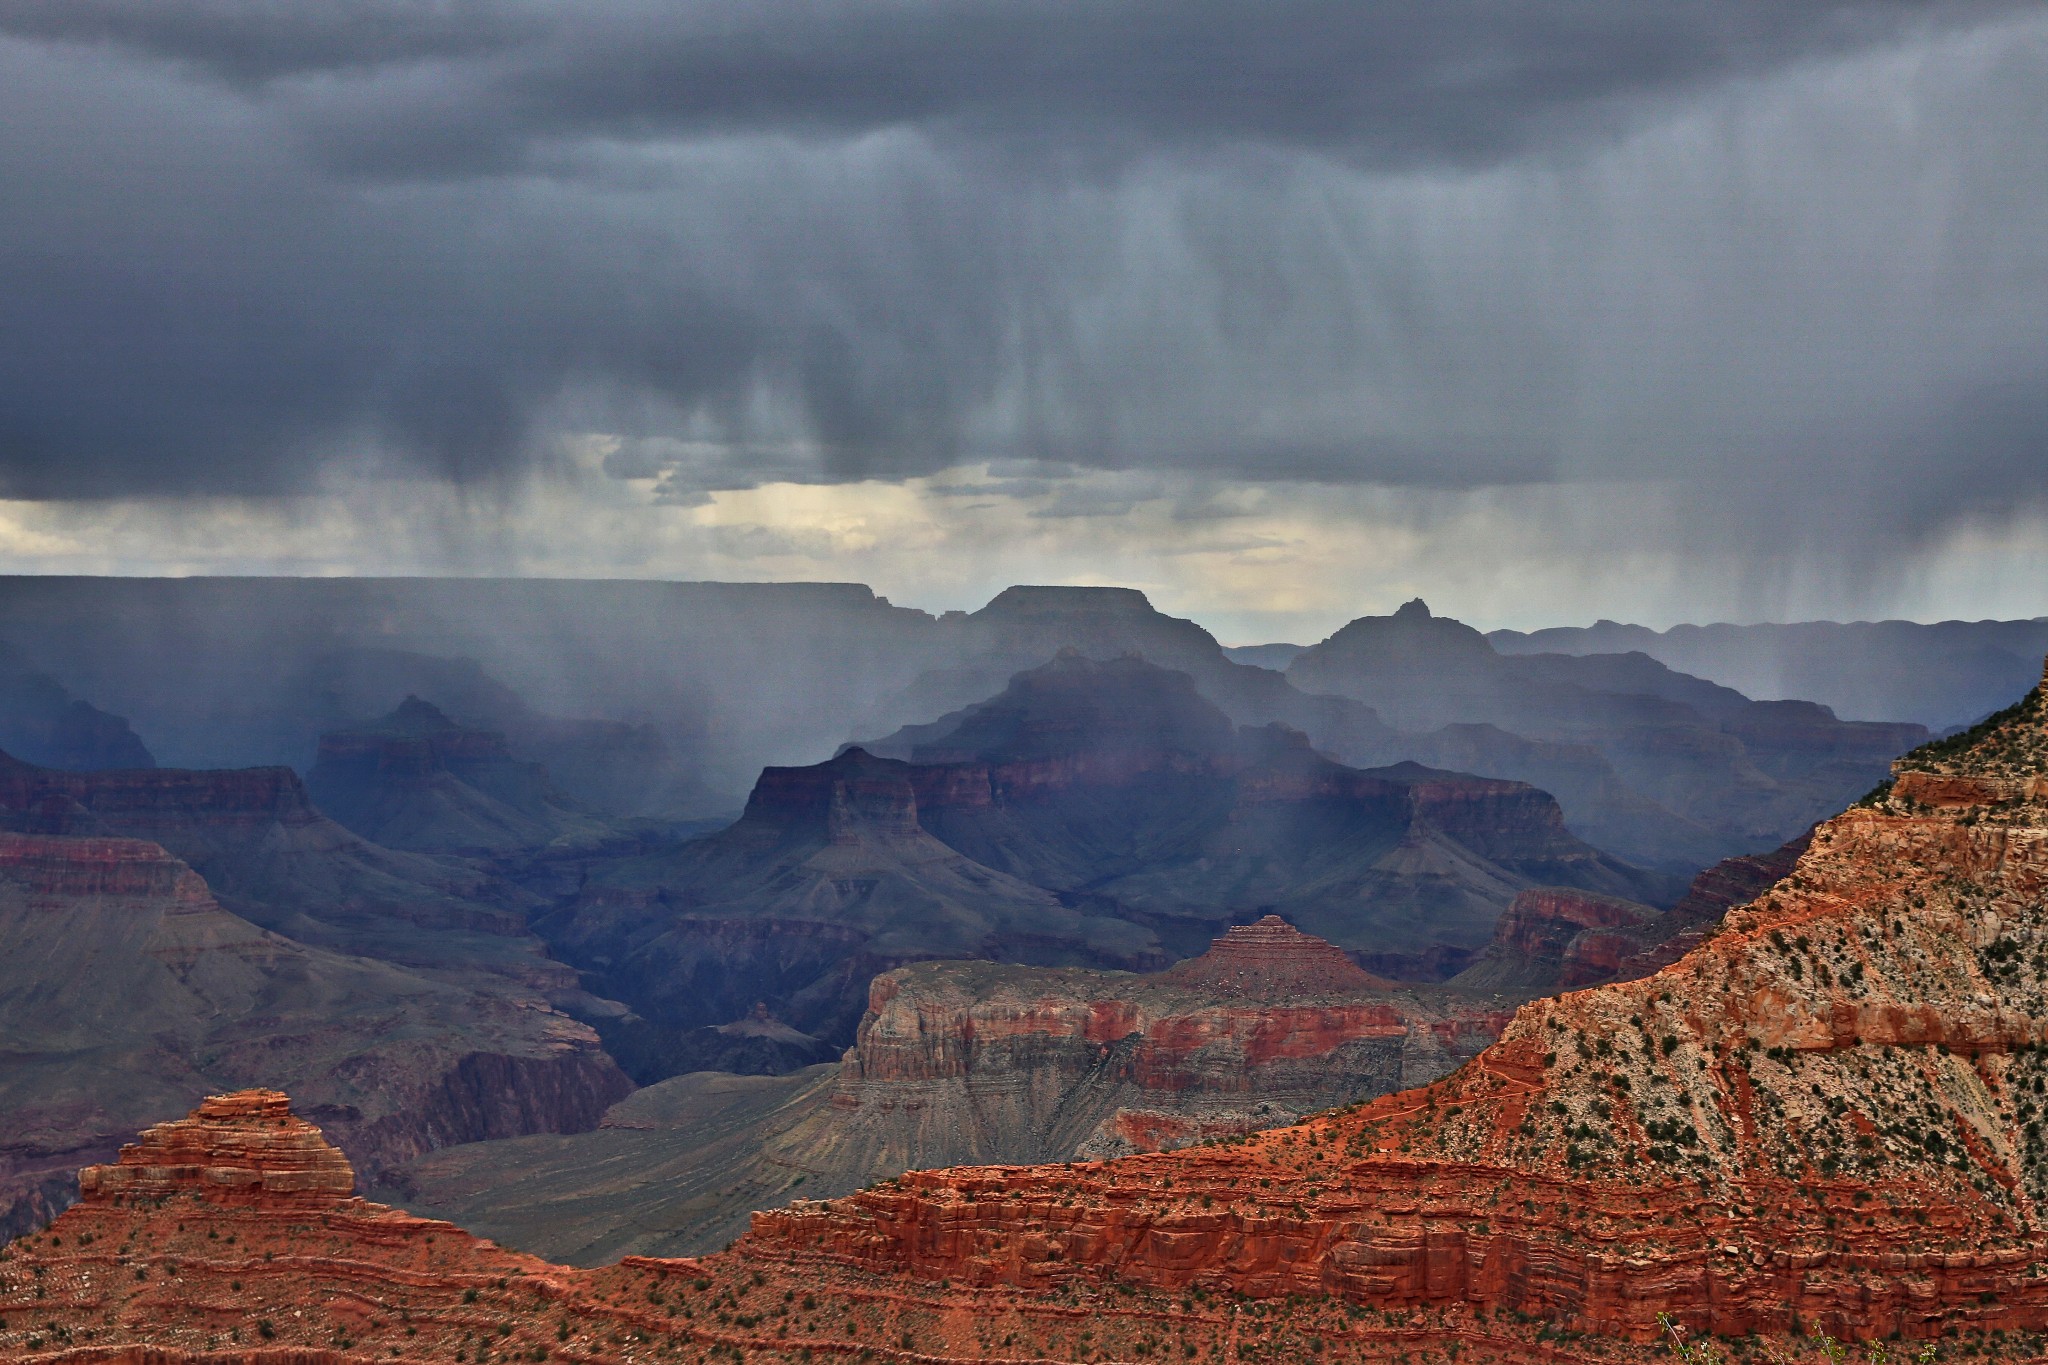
{"x": 1828, "y": 1114}
{"x": 983, "y": 1061}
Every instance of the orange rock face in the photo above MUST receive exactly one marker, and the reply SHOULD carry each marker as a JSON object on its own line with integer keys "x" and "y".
{"x": 1557, "y": 938}
{"x": 234, "y": 1242}
{"x": 979, "y": 1062}
{"x": 245, "y": 1150}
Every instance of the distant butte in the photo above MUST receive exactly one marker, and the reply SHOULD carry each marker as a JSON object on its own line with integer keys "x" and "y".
{"x": 1272, "y": 958}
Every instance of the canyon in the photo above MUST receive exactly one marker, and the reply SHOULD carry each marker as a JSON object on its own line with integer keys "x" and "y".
{"x": 1826, "y": 1117}
{"x": 1648, "y": 760}
{"x": 1092, "y": 813}
{"x": 276, "y": 859}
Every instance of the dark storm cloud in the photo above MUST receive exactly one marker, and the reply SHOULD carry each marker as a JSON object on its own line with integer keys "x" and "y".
{"x": 258, "y": 40}
{"x": 439, "y": 85}
{"x": 247, "y": 243}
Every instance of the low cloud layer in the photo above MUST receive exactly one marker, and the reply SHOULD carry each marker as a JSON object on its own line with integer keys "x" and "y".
{"x": 1783, "y": 264}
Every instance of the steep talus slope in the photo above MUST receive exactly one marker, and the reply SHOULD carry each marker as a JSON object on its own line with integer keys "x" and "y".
{"x": 274, "y": 858}
{"x": 416, "y": 780}
{"x": 972, "y": 1061}
{"x": 1828, "y": 1114}
{"x": 127, "y": 991}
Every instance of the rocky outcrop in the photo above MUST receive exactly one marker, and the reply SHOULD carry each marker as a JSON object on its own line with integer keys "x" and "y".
{"x": 1268, "y": 960}
{"x": 1121, "y": 778}
{"x": 127, "y": 991}
{"x": 974, "y": 1062}
{"x": 245, "y": 1150}
{"x": 230, "y": 1238}
{"x": 1560, "y": 939}
{"x": 827, "y": 879}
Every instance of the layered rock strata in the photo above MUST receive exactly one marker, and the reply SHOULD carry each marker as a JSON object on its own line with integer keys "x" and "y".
{"x": 964, "y": 1061}
{"x": 1561, "y": 939}
{"x": 127, "y": 991}
{"x": 961, "y": 1062}
{"x": 1094, "y": 814}
{"x": 230, "y": 1238}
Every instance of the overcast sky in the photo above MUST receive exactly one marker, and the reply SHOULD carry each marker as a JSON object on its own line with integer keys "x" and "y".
{"x": 1284, "y": 310}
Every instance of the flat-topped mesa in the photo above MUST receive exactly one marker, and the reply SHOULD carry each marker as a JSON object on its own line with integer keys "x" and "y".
{"x": 149, "y": 800}
{"x": 1272, "y": 957}
{"x": 846, "y": 797}
{"x": 246, "y": 1149}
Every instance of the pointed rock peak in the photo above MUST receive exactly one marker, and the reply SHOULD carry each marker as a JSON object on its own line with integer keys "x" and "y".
{"x": 1413, "y": 636}
{"x": 245, "y": 1149}
{"x": 853, "y": 760}
{"x": 1272, "y": 957}
{"x": 418, "y": 717}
